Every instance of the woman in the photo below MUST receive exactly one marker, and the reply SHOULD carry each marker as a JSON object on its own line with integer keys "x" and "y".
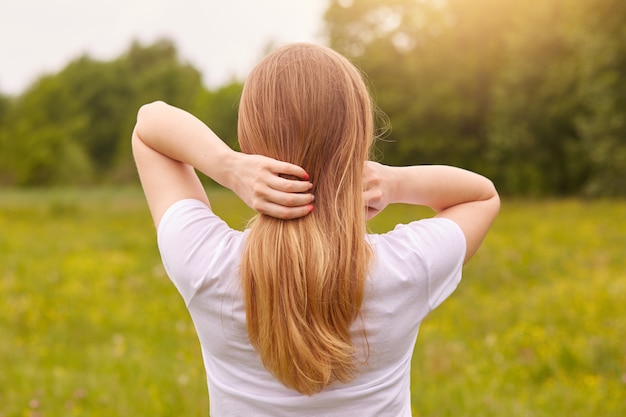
{"x": 304, "y": 313}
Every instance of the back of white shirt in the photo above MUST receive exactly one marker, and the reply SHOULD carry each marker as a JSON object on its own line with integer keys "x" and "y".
{"x": 416, "y": 267}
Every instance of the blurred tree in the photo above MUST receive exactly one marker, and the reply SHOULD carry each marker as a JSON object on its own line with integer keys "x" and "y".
{"x": 534, "y": 141}
{"x": 602, "y": 63}
{"x": 39, "y": 145}
{"x": 97, "y": 93}
{"x": 218, "y": 109}
{"x": 75, "y": 126}
{"x": 558, "y": 125}
{"x": 527, "y": 92}
{"x": 5, "y": 103}
{"x": 153, "y": 72}
{"x": 5, "y": 173}
{"x": 433, "y": 65}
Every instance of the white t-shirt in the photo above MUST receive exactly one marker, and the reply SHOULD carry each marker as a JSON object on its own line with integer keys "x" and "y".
{"x": 416, "y": 267}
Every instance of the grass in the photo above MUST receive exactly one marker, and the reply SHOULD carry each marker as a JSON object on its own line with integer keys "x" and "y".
{"x": 91, "y": 326}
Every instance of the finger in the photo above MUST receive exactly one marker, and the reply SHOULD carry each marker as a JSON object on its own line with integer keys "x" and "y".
{"x": 288, "y": 199}
{"x": 371, "y": 213}
{"x": 285, "y": 213}
{"x": 287, "y": 185}
{"x": 285, "y": 168}
{"x": 371, "y": 197}
{"x": 371, "y": 180}
{"x": 368, "y": 169}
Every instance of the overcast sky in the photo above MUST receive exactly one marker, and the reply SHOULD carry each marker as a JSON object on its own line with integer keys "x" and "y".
{"x": 221, "y": 38}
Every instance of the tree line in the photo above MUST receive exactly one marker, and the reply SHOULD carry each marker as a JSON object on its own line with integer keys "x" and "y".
{"x": 530, "y": 94}
{"x": 74, "y": 127}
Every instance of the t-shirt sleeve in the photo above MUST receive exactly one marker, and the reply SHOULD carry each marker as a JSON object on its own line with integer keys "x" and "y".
{"x": 191, "y": 239}
{"x": 448, "y": 242}
{"x": 430, "y": 252}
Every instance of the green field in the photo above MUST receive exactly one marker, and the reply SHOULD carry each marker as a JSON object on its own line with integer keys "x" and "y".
{"x": 91, "y": 326}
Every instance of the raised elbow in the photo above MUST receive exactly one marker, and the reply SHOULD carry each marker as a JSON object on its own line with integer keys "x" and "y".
{"x": 146, "y": 116}
{"x": 149, "y": 109}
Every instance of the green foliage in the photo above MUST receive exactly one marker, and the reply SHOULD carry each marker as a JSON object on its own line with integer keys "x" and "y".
{"x": 5, "y": 105}
{"x": 91, "y": 326}
{"x": 603, "y": 67}
{"x": 218, "y": 109}
{"x": 525, "y": 92}
{"x": 529, "y": 93}
{"x": 534, "y": 138}
{"x": 431, "y": 67}
{"x": 152, "y": 72}
{"x": 75, "y": 126}
{"x": 39, "y": 145}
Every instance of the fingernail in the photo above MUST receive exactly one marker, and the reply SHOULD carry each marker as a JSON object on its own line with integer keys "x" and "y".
{"x": 310, "y": 208}
{"x": 306, "y": 176}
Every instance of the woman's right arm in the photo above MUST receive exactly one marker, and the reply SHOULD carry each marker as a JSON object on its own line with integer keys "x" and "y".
{"x": 168, "y": 143}
{"x": 467, "y": 198}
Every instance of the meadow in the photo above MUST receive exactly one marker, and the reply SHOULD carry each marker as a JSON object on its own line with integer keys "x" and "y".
{"x": 91, "y": 326}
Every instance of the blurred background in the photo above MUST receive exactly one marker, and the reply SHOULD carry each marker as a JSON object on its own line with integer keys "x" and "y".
{"x": 529, "y": 93}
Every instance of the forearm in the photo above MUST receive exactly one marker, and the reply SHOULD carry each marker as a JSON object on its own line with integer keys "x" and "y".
{"x": 467, "y": 198}
{"x": 436, "y": 186}
{"x": 182, "y": 137}
{"x": 168, "y": 142}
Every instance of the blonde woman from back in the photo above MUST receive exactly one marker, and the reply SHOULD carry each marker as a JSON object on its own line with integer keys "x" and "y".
{"x": 305, "y": 313}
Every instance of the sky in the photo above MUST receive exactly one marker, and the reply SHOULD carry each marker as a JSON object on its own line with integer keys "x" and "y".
{"x": 223, "y": 39}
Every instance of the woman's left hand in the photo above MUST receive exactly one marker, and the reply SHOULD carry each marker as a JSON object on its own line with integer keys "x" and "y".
{"x": 375, "y": 188}
{"x": 259, "y": 181}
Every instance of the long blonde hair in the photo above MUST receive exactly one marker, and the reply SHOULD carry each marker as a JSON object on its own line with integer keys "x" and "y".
{"x": 303, "y": 279}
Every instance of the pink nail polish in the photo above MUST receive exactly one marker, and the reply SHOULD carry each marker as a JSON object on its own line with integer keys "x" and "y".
{"x": 306, "y": 176}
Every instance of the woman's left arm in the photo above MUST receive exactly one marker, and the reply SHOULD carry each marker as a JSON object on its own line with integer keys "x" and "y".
{"x": 168, "y": 143}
